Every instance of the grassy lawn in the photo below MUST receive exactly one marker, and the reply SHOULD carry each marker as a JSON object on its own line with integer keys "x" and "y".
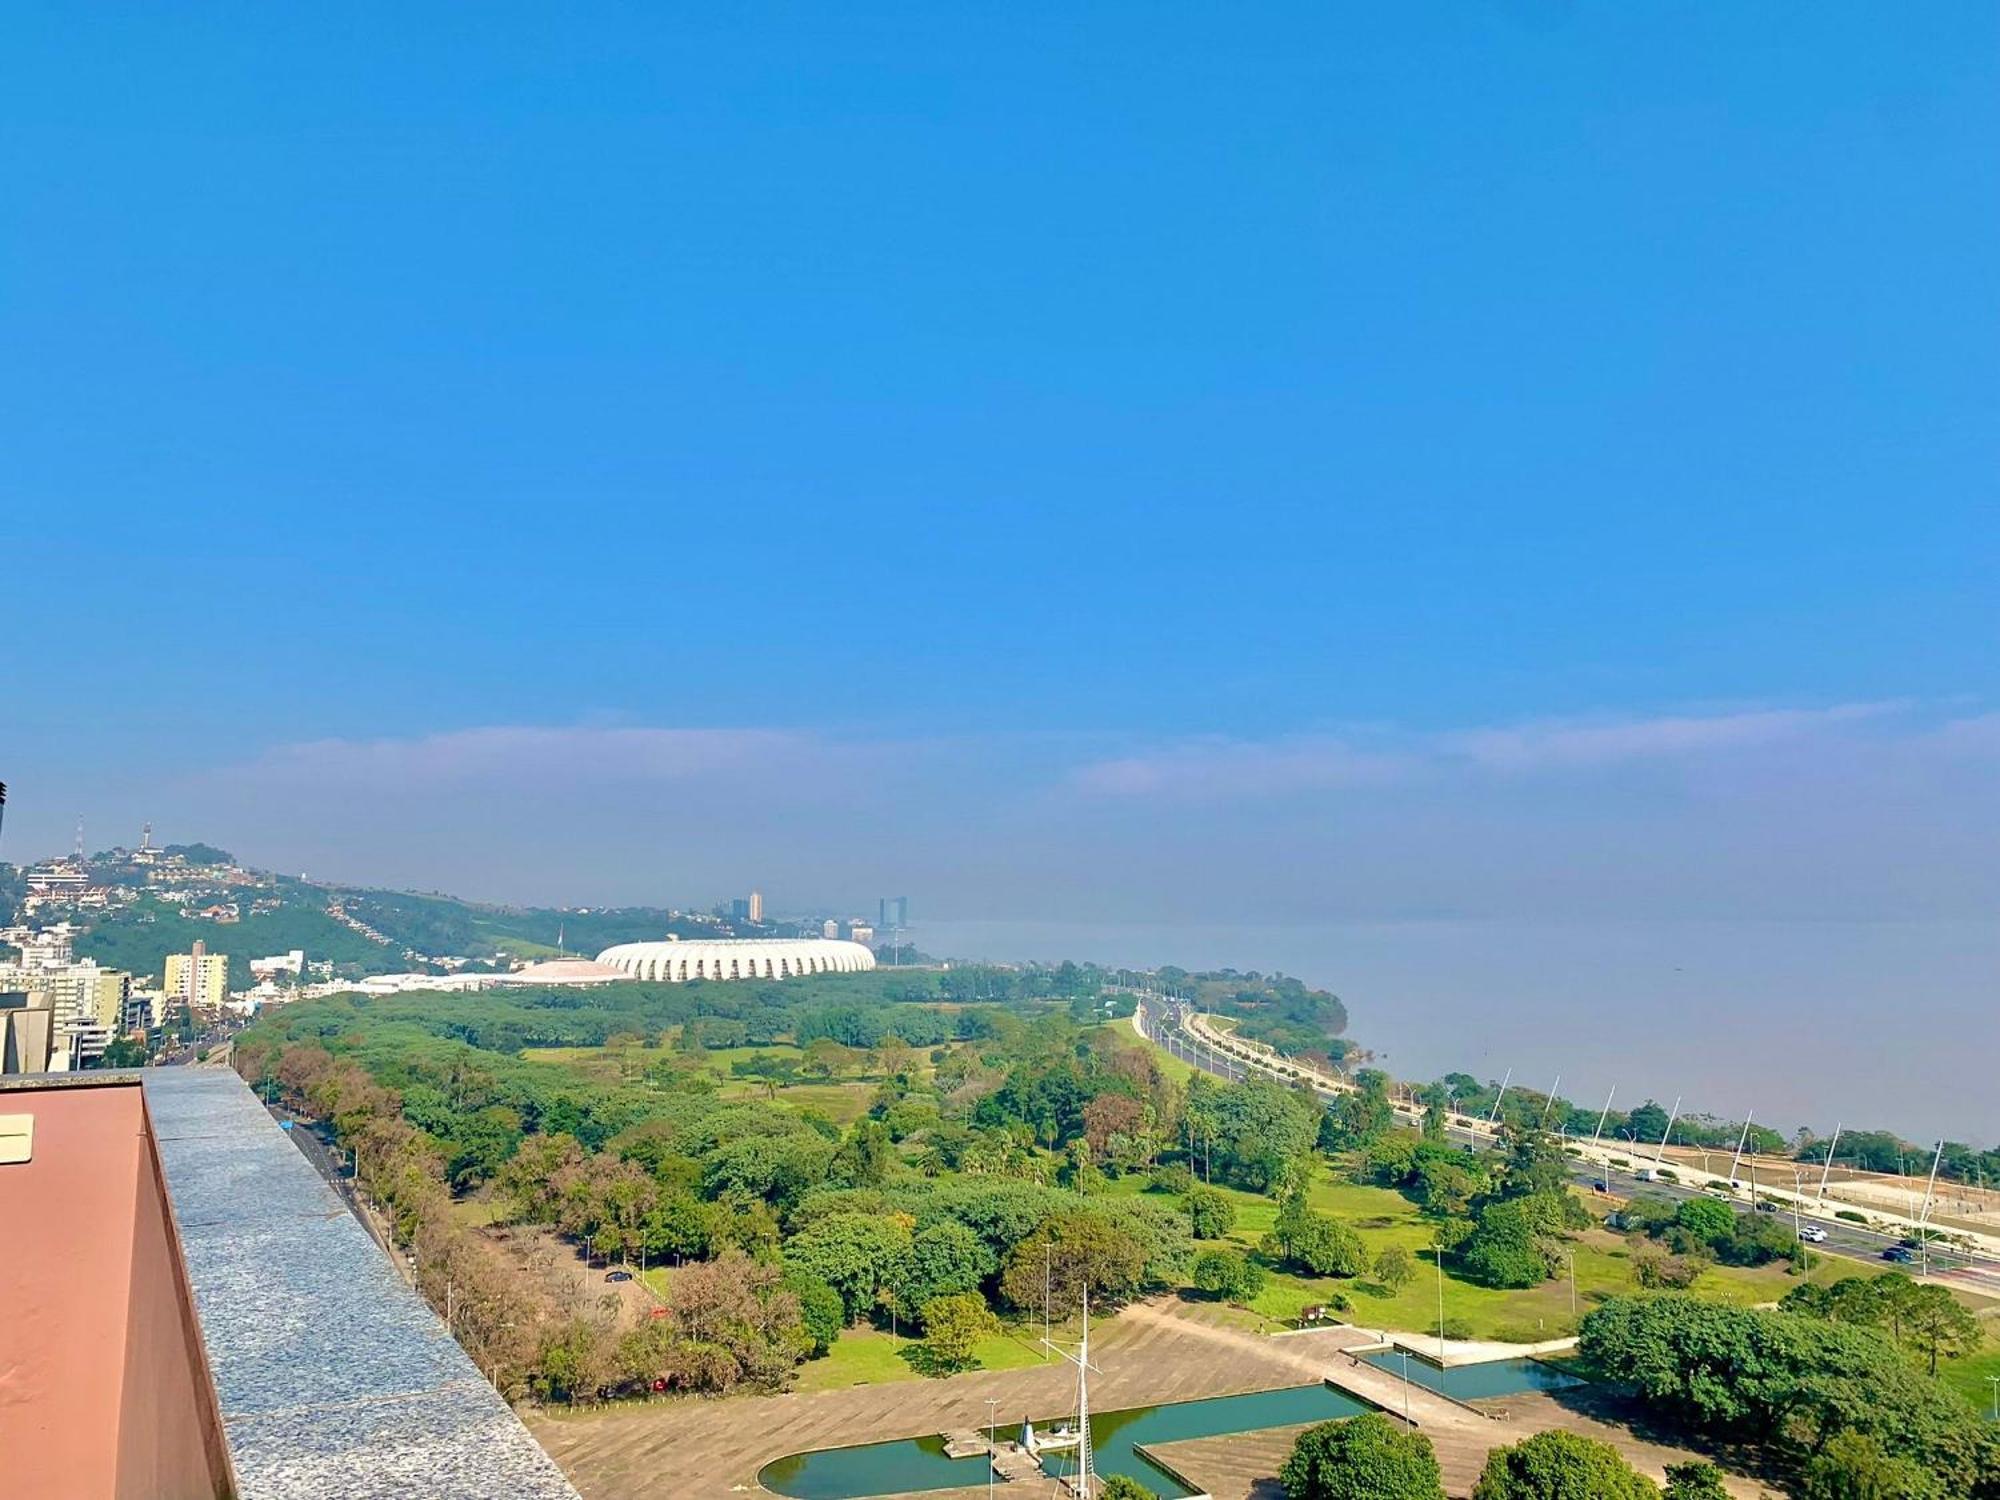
{"x": 722, "y": 1059}
{"x": 1970, "y": 1376}
{"x": 479, "y": 1210}
{"x": 868, "y": 1356}
{"x": 516, "y": 947}
{"x": 1384, "y": 1217}
{"x": 634, "y": 1057}
{"x": 844, "y": 1100}
{"x": 1173, "y": 1067}
{"x": 843, "y": 1103}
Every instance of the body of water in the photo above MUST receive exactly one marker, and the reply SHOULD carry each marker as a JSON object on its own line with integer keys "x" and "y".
{"x": 1891, "y": 1025}
{"x": 920, "y": 1463}
{"x": 915, "y": 1464}
{"x": 1504, "y": 1377}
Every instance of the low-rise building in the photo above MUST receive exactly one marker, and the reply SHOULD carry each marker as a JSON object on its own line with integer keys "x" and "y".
{"x": 85, "y": 1004}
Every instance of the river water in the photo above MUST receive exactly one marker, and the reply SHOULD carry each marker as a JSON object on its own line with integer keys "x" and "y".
{"x": 1892, "y": 1025}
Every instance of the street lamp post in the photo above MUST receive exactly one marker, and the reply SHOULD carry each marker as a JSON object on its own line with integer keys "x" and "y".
{"x": 992, "y": 1422}
{"x": 1438, "y": 1257}
{"x": 1048, "y": 1283}
{"x": 1406, "y": 1385}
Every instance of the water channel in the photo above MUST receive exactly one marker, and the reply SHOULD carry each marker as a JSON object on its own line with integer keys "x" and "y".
{"x": 1506, "y": 1377}
{"x": 916, "y": 1464}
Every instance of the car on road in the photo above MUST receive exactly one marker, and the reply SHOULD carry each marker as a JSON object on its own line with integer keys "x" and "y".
{"x": 617, "y": 1275}
{"x": 1599, "y": 1185}
{"x": 1812, "y": 1234}
{"x": 1902, "y": 1254}
{"x": 1766, "y": 1206}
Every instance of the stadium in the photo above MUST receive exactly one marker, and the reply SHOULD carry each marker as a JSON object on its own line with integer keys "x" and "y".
{"x": 737, "y": 958}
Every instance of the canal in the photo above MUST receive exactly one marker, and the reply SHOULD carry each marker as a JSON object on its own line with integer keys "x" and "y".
{"x": 920, "y": 1463}
{"x": 916, "y": 1464}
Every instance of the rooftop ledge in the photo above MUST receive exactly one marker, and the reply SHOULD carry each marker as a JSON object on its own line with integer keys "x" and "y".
{"x": 316, "y": 1373}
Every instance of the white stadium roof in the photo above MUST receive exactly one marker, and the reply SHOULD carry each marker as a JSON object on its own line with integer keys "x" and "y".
{"x": 737, "y": 958}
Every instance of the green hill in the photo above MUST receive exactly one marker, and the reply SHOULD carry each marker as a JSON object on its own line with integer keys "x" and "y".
{"x": 138, "y": 938}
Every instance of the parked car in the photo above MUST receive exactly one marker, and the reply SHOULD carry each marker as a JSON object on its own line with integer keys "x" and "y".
{"x": 1812, "y": 1234}
{"x": 617, "y": 1275}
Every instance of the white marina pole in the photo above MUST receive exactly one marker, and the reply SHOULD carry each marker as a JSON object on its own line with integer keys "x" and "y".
{"x": 1660, "y": 1155}
{"x": 1924, "y": 1219}
{"x": 1737, "y": 1160}
{"x": 1823, "y": 1171}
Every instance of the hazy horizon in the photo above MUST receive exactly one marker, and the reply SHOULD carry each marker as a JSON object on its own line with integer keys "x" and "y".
{"x": 1651, "y": 1009}
{"x": 1312, "y": 472}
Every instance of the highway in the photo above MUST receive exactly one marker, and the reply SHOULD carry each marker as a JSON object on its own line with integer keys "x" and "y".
{"x": 1843, "y": 1238}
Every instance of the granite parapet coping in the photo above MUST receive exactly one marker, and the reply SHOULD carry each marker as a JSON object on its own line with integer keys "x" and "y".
{"x": 334, "y": 1379}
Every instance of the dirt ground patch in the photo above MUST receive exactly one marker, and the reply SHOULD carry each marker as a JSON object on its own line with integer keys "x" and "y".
{"x": 563, "y": 1281}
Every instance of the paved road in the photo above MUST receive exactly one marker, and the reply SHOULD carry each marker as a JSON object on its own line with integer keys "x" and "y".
{"x": 310, "y": 1136}
{"x": 1842, "y": 1238}
{"x": 180, "y": 1056}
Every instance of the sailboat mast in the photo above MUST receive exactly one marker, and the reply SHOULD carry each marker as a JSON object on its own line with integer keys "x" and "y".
{"x": 1086, "y": 1477}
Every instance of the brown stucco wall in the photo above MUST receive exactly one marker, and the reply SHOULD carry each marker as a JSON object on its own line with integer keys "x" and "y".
{"x": 169, "y": 1434}
{"x": 100, "y": 1364}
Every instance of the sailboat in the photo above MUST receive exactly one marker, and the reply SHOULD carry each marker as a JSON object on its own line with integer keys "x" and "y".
{"x": 1077, "y": 1474}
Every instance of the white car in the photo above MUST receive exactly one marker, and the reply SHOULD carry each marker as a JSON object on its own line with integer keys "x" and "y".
{"x": 1812, "y": 1234}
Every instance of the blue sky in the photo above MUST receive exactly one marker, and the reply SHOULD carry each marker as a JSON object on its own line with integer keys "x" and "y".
{"x": 1113, "y": 461}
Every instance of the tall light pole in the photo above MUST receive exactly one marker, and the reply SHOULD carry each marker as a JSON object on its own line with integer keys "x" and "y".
{"x": 1438, "y": 1257}
{"x": 1924, "y": 1219}
{"x": 1406, "y": 1385}
{"x": 1737, "y": 1160}
{"x": 1048, "y": 1282}
{"x": 1673, "y": 1115}
{"x": 992, "y": 1422}
{"x": 1604, "y": 1115}
{"x": 1994, "y": 1381}
{"x": 1550, "y": 1102}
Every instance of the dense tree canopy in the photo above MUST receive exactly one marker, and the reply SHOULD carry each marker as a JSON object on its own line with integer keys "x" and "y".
{"x": 1361, "y": 1458}
{"x": 1788, "y": 1381}
{"x": 1559, "y": 1465}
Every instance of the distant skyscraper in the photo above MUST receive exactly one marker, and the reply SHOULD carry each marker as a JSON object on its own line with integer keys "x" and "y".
{"x": 756, "y": 906}
{"x": 739, "y": 910}
{"x": 902, "y": 911}
{"x": 829, "y": 928}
